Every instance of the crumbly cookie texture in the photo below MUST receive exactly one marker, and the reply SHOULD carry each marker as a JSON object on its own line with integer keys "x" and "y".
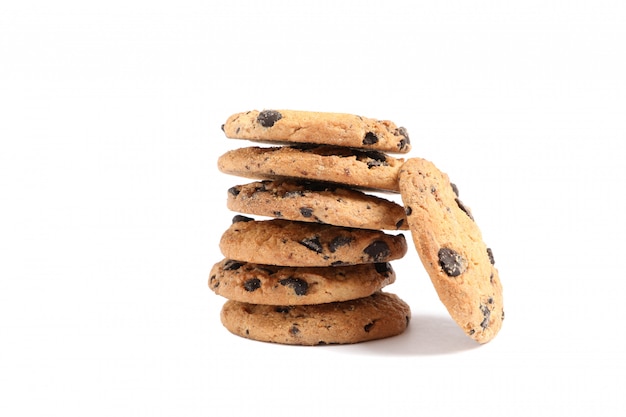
{"x": 318, "y": 127}
{"x": 316, "y": 202}
{"x": 291, "y": 243}
{"x": 451, "y": 248}
{"x": 280, "y": 285}
{"x": 353, "y": 167}
{"x": 377, "y": 316}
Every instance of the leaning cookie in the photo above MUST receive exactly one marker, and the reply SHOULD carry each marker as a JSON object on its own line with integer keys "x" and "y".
{"x": 291, "y": 243}
{"x": 280, "y": 285}
{"x": 352, "y": 167}
{"x": 318, "y": 127}
{"x": 316, "y": 202}
{"x": 451, "y": 248}
{"x": 378, "y": 316}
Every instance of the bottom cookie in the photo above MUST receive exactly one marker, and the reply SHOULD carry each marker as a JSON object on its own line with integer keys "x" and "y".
{"x": 377, "y": 316}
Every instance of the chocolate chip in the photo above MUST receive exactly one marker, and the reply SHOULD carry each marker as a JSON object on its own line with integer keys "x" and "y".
{"x": 408, "y": 210}
{"x": 213, "y": 282}
{"x": 223, "y": 128}
{"x": 383, "y": 268}
{"x": 339, "y": 263}
{"x": 378, "y": 251}
{"x": 234, "y": 191}
{"x": 306, "y": 211}
{"x": 486, "y": 313}
{"x": 277, "y": 214}
{"x": 455, "y": 189}
{"x": 399, "y": 223}
{"x": 338, "y": 242}
{"x": 252, "y": 284}
{"x": 282, "y": 309}
{"x": 299, "y": 286}
{"x": 313, "y": 244}
{"x": 267, "y": 118}
{"x": 231, "y": 265}
{"x": 462, "y": 207}
{"x": 368, "y": 326}
{"x": 239, "y": 218}
{"x": 370, "y": 138}
{"x": 490, "y": 255}
{"x": 405, "y": 141}
{"x": 451, "y": 262}
{"x": 294, "y": 330}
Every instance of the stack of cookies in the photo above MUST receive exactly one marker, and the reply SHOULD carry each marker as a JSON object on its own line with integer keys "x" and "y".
{"x": 312, "y": 270}
{"x": 310, "y": 267}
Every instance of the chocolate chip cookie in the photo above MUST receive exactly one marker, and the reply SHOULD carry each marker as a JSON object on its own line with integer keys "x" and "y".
{"x": 318, "y": 127}
{"x": 292, "y": 243}
{"x": 340, "y": 165}
{"x": 281, "y": 285}
{"x": 377, "y": 316}
{"x": 451, "y": 248}
{"x": 316, "y": 202}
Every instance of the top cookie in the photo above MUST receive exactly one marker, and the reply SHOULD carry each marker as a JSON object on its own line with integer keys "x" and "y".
{"x": 338, "y": 129}
{"x": 451, "y": 247}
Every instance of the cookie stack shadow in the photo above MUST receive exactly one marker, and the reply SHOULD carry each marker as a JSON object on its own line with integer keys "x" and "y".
{"x": 312, "y": 241}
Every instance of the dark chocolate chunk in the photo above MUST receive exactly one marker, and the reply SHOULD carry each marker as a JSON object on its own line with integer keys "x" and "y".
{"x": 399, "y": 223}
{"x": 462, "y": 207}
{"x": 369, "y": 326}
{"x": 486, "y": 313}
{"x": 299, "y": 286}
{"x": 451, "y": 262}
{"x": 408, "y": 210}
{"x": 267, "y": 118}
{"x": 214, "y": 282}
{"x": 383, "y": 268}
{"x": 223, "y": 128}
{"x": 401, "y": 131}
{"x": 490, "y": 255}
{"x": 282, "y": 309}
{"x": 455, "y": 189}
{"x": 378, "y": 251}
{"x": 370, "y": 139}
{"x": 338, "y": 242}
{"x": 231, "y": 265}
{"x": 252, "y": 284}
{"x": 306, "y": 211}
{"x": 294, "y": 330}
{"x": 313, "y": 244}
{"x": 234, "y": 191}
{"x": 239, "y": 218}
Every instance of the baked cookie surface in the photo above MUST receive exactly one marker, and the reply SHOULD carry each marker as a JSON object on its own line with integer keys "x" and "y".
{"x": 377, "y": 316}
{"x": 292, "y": 243}
{"x": 316, "y": 202}
{"x": 279, "y": 285}
{"x": 451, "y": 248}
{"x": 338, "y": 129}
{"x": 352, "y": 167}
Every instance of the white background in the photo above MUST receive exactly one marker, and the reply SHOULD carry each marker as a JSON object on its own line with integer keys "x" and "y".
{"x": 112, "y": 206}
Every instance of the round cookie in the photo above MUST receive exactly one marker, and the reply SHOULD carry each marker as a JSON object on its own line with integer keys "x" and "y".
{"x": 338, "y": 129}
{"x": 291, "y": 243}
{"x": 281, "y": 285}
{"x": 377, "y": 316}
{"x": 451, "y": 248}
{"x": 352, "y": 167}
{"x": 316, "y": 202}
